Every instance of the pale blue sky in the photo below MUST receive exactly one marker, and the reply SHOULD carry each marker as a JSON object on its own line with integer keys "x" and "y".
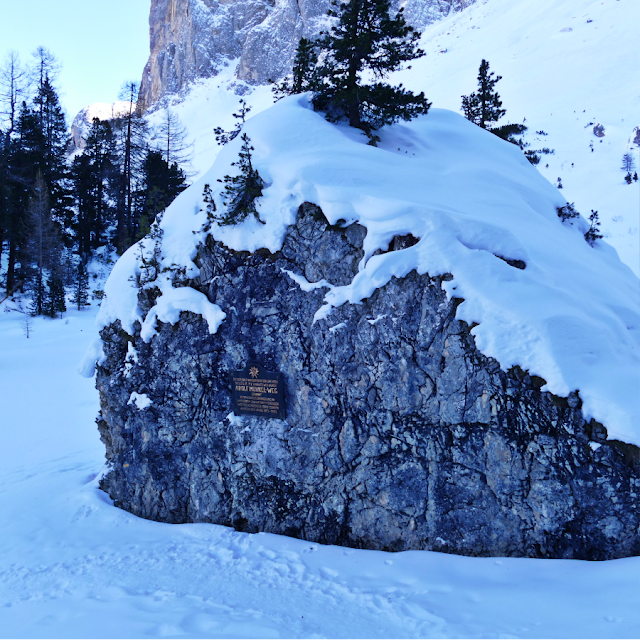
{"x": 100, "y": 43}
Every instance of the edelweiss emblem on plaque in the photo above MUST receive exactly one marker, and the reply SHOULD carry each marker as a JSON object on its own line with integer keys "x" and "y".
{"x": 254, "y": 372}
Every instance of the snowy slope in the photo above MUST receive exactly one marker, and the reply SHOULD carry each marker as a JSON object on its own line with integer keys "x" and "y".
{"x": 564, "y": 65}
{"x": 74, "y": 566}
{"x": 571, "y": 317}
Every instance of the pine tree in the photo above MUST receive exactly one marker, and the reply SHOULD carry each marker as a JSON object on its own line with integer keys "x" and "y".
{"x": 303, "y": 75}
{"x": 593, "y": 233}
{"x": 162, "y": 183}
{"x": 366, "y": 41}
{"x": 224, "y": 137}
{"x": 81, "y": 288}
{"x": 567, "y": 212}
{"x": 97, "y": 182}
{"x": 42, "y": 247}
{"x": 240, "y": 192}
{"x": 483, "y": 108}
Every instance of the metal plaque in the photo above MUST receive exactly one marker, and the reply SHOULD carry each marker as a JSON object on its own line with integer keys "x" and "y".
{"x": 257, "y": 392}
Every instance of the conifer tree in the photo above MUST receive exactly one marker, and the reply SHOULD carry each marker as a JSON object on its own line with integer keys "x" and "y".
{"x": 96, "y": 181}
{"x": 240, "y": 192}
{"x": 593, "y": 233}
{"x": 133, "y": 136}
{"x": 55, "y": 302}
{"x": 483, "y": 108}
{"x": 162, "y": 183}
{"x": 42, "y": 248}
{"x": 366, "y": 41}
{"x": 55, "y": 138}
{"x": 224, "y": 137}
{"x": 13, "y": 86}
{"x": 81, "y": 288}
{"x": 303, "y": 75}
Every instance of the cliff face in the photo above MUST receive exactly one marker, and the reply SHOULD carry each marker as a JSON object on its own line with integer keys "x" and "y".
{"x": 193, "y": 39}
{"x": 399, "y": 433}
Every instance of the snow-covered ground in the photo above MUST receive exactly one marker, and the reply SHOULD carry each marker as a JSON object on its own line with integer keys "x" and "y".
{"x": 72, "y": 565}
{"x": 564, "y": 65}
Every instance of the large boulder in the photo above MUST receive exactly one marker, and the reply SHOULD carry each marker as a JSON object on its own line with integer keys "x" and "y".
{"x": 399, "y": 434}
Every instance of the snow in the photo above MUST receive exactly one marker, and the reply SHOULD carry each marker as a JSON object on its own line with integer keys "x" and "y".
{"x": 572, "y": 316}
{"x": 560, "y": 81}
{"x": 172, "y": 301}
{"x": 72, "y": 565}
{"x": 141, "y": 400}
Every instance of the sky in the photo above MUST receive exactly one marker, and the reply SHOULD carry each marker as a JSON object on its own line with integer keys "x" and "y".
{"x": 100, "y": 43}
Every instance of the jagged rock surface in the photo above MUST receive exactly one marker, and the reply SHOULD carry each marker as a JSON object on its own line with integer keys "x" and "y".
{"x": 193, "y": 39}
{"x": 399, "y": 434}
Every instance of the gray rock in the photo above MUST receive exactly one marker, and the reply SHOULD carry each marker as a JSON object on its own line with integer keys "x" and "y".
{"x": 399, "y": 433}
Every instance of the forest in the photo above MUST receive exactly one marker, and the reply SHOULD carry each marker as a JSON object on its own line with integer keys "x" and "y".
{"x": 62, "y": 207}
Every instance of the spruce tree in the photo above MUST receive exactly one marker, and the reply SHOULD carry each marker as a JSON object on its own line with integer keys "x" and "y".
{"x": 366, "y": 41}
{"x": 162, "y": 183}
{"x": 303, "y": 75}
{"x": 240, "y": 192}
{"x": 54, "y": 162}
{"x": 81, "y": 288}
{"x": 56, "y": 299}
{"x": 42, "y": 249}
{"x": 483, "y": 107}
{"x": 96, "y": 181}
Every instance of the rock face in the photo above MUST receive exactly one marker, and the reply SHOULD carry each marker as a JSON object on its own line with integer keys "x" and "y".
{"x": 399, "y": 433}
{"x": 193, "y": 39}
{"x": 84, "y": 119}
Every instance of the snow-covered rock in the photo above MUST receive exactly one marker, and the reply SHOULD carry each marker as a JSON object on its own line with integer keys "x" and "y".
{"x": 476, "y": 332}
{"x": 84, "y": 119}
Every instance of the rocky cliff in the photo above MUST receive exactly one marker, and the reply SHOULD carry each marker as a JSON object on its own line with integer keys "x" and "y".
{"x": 193, "y": 39}
{"x": 400, "y": 434}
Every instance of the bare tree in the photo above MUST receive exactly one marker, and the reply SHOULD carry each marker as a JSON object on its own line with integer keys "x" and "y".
{"x": 133, "y": 136}
{"x": 13, "y": 85}
{"x": 172, "y": 139}
{"x": 45, "y": 65}
{"x": 26, "y": 322}
{"x": 628, "y": 163}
